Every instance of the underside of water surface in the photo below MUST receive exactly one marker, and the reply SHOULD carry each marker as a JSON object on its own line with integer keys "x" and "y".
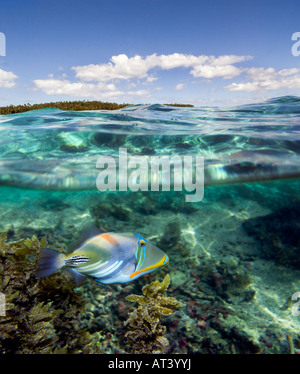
{"x": 55, "y": 149}
{"x": 234, "y": 255}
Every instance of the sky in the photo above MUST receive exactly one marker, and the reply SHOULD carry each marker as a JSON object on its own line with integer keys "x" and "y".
{"x": 206, "y": 53}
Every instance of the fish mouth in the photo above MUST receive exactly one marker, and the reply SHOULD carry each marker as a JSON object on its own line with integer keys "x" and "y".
{"x": 160, "y": 263}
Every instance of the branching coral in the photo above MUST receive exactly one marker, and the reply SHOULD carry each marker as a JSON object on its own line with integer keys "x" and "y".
{"x": 41, "y": 315}
{"x": 145, "y": 333}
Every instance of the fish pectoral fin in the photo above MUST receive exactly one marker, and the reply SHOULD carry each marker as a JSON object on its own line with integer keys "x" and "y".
{"x": 77, "y": 277}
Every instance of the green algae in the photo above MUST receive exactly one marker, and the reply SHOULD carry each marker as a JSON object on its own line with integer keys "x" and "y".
{"x": 41, "y": 315}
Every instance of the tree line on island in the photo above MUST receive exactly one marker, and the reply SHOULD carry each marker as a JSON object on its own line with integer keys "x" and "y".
{"x": 71, "y": 105}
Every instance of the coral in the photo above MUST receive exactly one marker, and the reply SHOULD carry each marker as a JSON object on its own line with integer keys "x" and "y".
{"x": 145, "y": 333}
{"x": 41, "y": 315}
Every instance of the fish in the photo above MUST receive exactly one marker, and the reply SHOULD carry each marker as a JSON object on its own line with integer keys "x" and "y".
{"x": 107, "y": 258}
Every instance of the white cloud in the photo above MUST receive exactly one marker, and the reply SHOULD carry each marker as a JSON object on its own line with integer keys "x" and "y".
{"x": 65, "y": 87}
{"x": 7, "y": 79}
{"x": 151, "y": 79}
{"x": 99, "y": 80}
{"x": 216, "y": 71}
{"x": 120, "y": 67}
{"x": 106, "y": 81}
{"x": 229, "y": 59}
{"x": 177, "y": 60}
{"x": 100, "y": 91}
{"x": 143, "y": 93}
{"x": 221, "y": 66}
{"x": 179, "y": 86}
{"x": 123, "y": 67}
{"x": 268, "y": 79}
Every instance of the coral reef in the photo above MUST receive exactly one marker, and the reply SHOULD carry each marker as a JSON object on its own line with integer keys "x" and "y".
{"x": 145, "y": 333}
{"x": 41, "y": 315}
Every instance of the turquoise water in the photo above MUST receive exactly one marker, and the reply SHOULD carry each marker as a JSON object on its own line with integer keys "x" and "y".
{"x": 56, "y": 149}
{"x": 234, "y": 255}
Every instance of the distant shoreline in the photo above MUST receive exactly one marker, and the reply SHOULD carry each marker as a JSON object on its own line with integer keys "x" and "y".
{"x": 71, "y": 105}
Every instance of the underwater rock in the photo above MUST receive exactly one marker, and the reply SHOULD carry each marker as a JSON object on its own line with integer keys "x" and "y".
{"x": 183, "y": 145}
{"x": 72, "y": 148}
{"x": 145, "y": 203}
{"x": 100, "y": 210}
{"x": 171, "y": 235}
{"x": 72, "y": 143}
{"x": 178, "y": 279}
{"x": 54, "y": 203}
{"x": 239, "y": 339}
{"x": 278, "y": 235}
{"x": 147, "y": 151}
{"x": 101, "y": 139}
{"x": 175, "y": 202}
{"x": 108, "y": 140}
{"x": 141, "y": 141}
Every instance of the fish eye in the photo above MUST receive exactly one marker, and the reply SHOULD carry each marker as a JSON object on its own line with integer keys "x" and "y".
{"x": 142, "y": 242}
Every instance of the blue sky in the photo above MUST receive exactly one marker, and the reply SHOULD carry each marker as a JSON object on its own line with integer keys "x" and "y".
{"x": 218, "y": 52}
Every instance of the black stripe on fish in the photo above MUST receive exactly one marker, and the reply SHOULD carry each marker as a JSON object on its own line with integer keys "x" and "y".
{"x": 76, "y": 260}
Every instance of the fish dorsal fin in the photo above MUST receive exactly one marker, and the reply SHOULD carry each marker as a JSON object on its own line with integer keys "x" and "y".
{"x": 126, "y": 233}
{"x": 87, "y": 232}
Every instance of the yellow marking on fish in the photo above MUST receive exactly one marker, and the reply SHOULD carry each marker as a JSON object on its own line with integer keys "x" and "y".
{"x": 109, "y": 238}
{"x": 160, "y": 263}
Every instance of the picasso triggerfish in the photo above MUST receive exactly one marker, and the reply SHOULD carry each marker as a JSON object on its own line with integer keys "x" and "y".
{"x": 106, "y": 257}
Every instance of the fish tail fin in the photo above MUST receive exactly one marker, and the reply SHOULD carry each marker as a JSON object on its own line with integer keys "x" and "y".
{"x": 49, "y": 262}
